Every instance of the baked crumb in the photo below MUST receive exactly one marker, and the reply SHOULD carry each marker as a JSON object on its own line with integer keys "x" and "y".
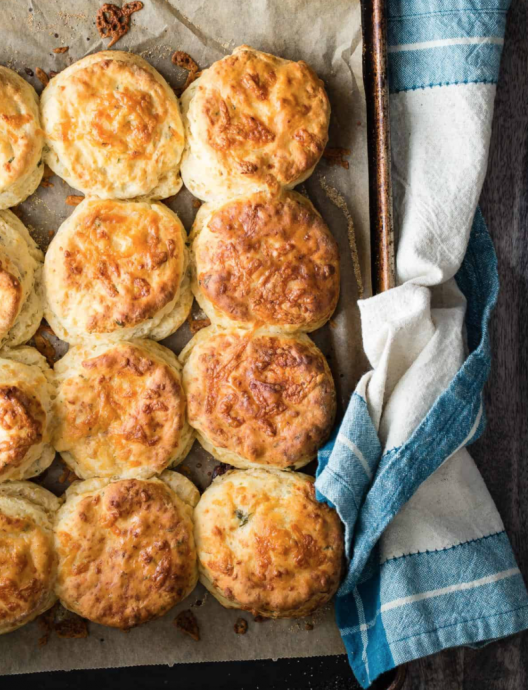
{"x": 62, "y": 49}
{"x": 241, "y": 626}
{"x": 185, "y": 61}
{"x": 44, "y": 346}
{"x": 114, "y": 22}
{"x": 66, "y": 624}
{"x": 220, "y": 469}
{"x": 335, "y": 156}
{"x": 74, "y": 199}
{"x": 196, "y": 325}
{"x": 187, "y": 623}
{"x": 42, "y": 76}
{"x": 69, "y": 625}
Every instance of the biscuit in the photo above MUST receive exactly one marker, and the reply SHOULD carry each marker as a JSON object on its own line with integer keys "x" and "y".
{"x": 258, "y": 398}
{"x": 120, "y": 410}
{"x": 265, "y": 260}
{"x": 253, "y": 121}
{"x": 20, "y": 282}
{"x": 126, "y": 549}
{"x": 21, "y": 139}
{"x": 28, "y": 563}
{"x": 26, "y": 399}
{"x": 117, "y": 270}
{"x": 266, "y": 545}
{"x": 113, "y": 128}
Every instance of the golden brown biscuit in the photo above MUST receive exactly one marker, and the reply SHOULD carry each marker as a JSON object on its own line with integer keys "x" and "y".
{"x": 113, "y": 128}
{"x": 252, "y": 121}
{"x": 26, "y": 394}
{"x": 20, "y": 282}
{"x": 258, "y": 398}
{"x": 120, "y": 410}
{"x": 21, "y": 139}
{"x": 117, "y": 270}
{"x": 266, "y": 545}
{"x": 28, "y": 563}
{"x": 261, "y": 259}
{"x": 126, "y": 550}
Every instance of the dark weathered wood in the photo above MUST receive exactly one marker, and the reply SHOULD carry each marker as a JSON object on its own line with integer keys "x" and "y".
{"x": 502, "y": 453}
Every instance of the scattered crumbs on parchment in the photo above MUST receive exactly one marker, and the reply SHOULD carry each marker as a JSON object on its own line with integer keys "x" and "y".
{"x": 38, "y": 234}
{"x": 309, "y": 624}
{"x": 160, "y": 51}
{"x": 338, "y": 200}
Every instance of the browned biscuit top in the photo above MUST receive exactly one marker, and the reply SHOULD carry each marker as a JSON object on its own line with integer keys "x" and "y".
{"x": 126, "y": 552}
{"x": 269, "y": 260}
{"x": 268, "y": 398}
{"x": 120, "y": 411}
{"x": 26, "y": 567}
{"x": 266, "y": 544}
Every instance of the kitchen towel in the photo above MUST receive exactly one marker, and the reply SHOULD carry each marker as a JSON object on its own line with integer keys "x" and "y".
{"x": 429, "y": 565}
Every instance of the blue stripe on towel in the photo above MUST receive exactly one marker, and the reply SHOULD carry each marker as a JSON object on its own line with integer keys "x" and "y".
{"x": 408, "y": 8}
{"x": 434, "y": 27}
{"x": 433, "y": 570}
{"x": 395, "y": 629}
{"x": 442, "y": 66}
{"x": 347, "y": 464}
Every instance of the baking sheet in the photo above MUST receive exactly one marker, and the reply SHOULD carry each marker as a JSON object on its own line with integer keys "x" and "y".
{"x": 327, "y": 35}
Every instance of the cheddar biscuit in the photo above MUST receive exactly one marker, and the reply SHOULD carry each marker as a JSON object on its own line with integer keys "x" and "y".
{"x": 258, "y": 398}
{"x": 28, "y": 563}
{"x": 20, "y": 282}
{"x": 126, "y": 548}
{"x": 117, "y": 270}
{"x": 21, "y": 139}
{"x": 266, "y": 545}
{"x": 113, "y": 128}
{"x": 253, "y": 121}
{"x": 26, "y": 398}
{"x": 265, "y": 260}
{"x": 120, "y": 410}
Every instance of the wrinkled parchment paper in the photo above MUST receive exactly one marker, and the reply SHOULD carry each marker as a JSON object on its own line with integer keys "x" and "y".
{"x": 327, "y": 35}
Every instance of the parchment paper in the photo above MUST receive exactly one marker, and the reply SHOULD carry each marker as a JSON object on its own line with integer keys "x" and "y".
{"x": 327, "y": 35}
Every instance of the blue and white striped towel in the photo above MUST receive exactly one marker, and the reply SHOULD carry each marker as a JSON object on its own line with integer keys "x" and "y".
{"x": 429, "y": 563}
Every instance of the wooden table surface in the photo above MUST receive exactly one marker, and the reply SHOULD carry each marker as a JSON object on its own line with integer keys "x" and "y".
{"x": 502, "y": 452}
